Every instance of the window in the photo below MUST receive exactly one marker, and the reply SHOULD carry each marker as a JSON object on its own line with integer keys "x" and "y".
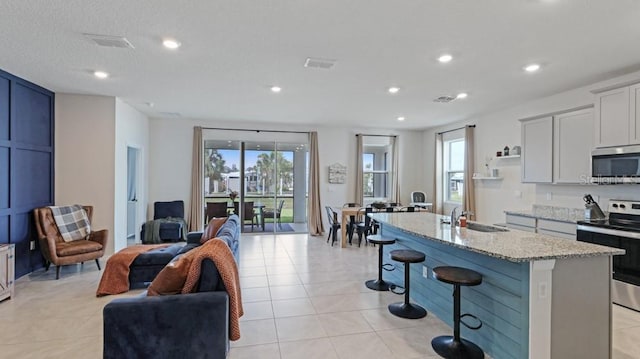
{"x": 367, "y": 178}
{"x": 453, "y": 170}
{"x": 375, "y": 173}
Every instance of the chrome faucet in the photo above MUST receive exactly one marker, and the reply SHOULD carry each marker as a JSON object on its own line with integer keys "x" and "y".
{"x": 454, "y": 217}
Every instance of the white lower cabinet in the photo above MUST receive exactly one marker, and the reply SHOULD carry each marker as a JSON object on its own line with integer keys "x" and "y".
{"x": 7, "y": 276}
{"x": 542, "y": 226}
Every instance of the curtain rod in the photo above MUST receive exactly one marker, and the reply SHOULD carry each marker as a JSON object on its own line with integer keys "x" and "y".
{"x": 455, "y": 129}
{"x": 244, "y": 129}
{"x": 363, "y": 134}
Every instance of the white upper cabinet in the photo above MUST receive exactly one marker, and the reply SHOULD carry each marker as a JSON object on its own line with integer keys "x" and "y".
{"x": 557, "y": 149}
{"x": 537, "y": 147}
{"x": 617, "y": 117}
{"x": 572, "y": 145}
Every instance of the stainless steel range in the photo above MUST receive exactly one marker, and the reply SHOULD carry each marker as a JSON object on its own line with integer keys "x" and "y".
{"x": 620, "y": 230}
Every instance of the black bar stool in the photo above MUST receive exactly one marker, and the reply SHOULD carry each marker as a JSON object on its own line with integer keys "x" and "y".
{"x": 453, "y": 346}
{"x": 406, "y": 309}
{"x": 379, "y": 284}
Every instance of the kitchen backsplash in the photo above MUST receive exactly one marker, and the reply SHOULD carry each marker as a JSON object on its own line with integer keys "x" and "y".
{"x": 571, "y": 214}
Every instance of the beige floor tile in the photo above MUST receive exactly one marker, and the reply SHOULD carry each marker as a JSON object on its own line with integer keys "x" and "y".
{"x": 255, "y": 332}
{"x": 624, "y": 317}
{"x": 308, "y": 349}
{"x": 254, "y": 282}
{"x": 264, "y": 351}
{"x": 283, "y": 279}
{"x": 257, "y": 310}
{"x": 292, "y": 307}
{"x": 298, "y": 328}
{"x": 336, "y": 288}
{"x": 382, "y": 319}
{"x": 252, "y": 271}
{"x": 344, "y": 323}
{"x": 288, "y": 292}
{"x": 255, "y": 294}
{"x": 360, "y": 346}
{"x": 281, "y": 269}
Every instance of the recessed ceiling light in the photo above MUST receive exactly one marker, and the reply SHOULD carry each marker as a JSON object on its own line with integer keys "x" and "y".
{"x": 401, "y": 118}
{"x": 461, "y": 95}
{"x": 100, "y": 74}
{"x": 276, "y": 89}
{"x": 393, "y": 89}
{"x": 532, "y": 68}
{"x": 445, "y": 58}
{"x": 171, "y": 44}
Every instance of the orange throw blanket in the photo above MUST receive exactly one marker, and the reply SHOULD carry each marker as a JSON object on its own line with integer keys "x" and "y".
{"x": 218, "y": 251}
{"x": 115, "y": 279}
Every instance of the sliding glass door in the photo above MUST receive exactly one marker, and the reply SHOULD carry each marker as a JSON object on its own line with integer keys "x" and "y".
{"x": 269, "y": 177}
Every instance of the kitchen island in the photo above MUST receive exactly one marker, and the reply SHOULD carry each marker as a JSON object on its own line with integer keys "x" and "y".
{"x": 541, "y": 296}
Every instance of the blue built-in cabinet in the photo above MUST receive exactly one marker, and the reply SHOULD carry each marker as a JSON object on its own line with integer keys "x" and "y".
{"x": 501, "y": 301}
{"x": 26, "y": 165}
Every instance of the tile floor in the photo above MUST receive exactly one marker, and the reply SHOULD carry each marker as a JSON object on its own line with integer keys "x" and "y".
{"x": 302, "y": 299}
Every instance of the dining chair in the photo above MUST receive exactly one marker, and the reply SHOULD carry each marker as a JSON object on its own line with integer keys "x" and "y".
{"x": 333, "y": 224}
{"x": 352, "y": 220}
{"x": 216, "y": 209}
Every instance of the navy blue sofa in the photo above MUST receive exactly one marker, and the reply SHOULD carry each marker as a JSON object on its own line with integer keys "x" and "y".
{"x": 192, "y": 325}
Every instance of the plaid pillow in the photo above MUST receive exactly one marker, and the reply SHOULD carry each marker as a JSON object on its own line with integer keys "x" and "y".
{"x": 72, "y": 222}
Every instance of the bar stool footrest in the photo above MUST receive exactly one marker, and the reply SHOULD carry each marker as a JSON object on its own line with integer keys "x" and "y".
{"x": 469, "y": 326}
{"x": 393, "y": 288}
{"x": 447, "y": 347}
{"x": 388, "y": 267}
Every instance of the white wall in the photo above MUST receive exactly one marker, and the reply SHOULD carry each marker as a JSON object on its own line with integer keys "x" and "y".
{"x": 500, "y": 128}
{"x": 84, "y": 156}
{"x": 171, "y": 146}
{"x": 131, "y": 130}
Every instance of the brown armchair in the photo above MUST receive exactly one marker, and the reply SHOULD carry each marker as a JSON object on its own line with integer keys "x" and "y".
{"x": 55, "y": 250}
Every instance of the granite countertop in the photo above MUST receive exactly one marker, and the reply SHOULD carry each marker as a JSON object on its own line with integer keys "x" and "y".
{"x": 553, "y": 213}
{"x": 514, "y": 245}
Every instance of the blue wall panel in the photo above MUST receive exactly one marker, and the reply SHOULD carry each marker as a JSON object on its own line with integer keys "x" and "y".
{"x": 33, "y": 169}
{"x": 26, "y": 164}
{"x": 501, "y": 301}
{"x": 4, "y": 229}
{"x": 4, "y": 177}
{"x": 20, "y": 237}
{"x": 32, "y": 108}
{"x": 4, "y": 109}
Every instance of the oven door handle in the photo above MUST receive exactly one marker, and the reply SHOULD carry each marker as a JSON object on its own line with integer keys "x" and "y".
{"x": 613, "y": 232}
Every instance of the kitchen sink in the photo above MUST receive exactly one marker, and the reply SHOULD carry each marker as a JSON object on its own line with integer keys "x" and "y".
{"x": 484, "y": 228}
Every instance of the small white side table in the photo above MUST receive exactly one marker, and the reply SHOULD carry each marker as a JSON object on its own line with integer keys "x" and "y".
{"x": 7, "y": 267}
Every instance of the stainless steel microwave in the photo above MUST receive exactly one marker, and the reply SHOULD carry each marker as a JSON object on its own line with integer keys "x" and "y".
{"x": 615, "y": 165}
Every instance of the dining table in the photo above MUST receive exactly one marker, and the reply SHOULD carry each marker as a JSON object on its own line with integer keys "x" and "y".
{"x": 359, "y": 211}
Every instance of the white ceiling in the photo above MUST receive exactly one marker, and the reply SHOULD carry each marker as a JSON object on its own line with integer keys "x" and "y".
{"x": 233, "y": 51}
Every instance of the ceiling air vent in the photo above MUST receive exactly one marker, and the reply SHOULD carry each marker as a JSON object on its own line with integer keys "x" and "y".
{"x": 110, "y": 41}
{"x": 444, "y": 99}
{"x": 314, "y": 62}
{"x": 170, "y": 114}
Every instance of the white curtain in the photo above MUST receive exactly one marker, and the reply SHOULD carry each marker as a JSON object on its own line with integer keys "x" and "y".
{"x": 438, "y": 175}
{"x": 395, "y": 175}
{"x": 197, "y": 178}
{"x": 469, "y": 194}
{"x": 359, "y": 195}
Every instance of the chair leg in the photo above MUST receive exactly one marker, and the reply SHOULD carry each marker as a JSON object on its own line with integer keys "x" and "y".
{"x": 47, "y": 264}
{"x": 329, "y": 236}
{"x": 58, "y": 272}
{"x": 98, "y": 264}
